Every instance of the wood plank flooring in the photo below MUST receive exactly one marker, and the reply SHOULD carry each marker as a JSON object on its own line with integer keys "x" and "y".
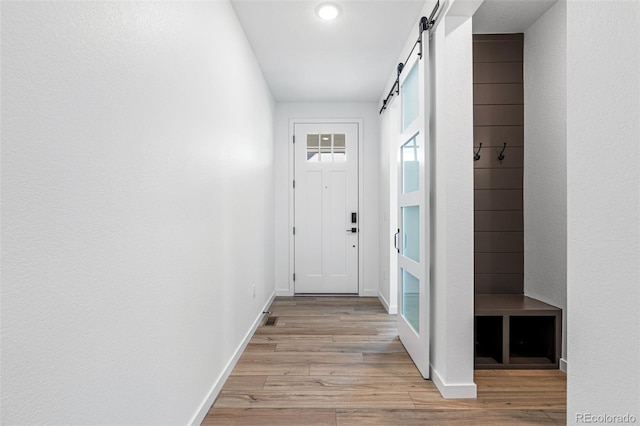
{"x": 338, "y": 361}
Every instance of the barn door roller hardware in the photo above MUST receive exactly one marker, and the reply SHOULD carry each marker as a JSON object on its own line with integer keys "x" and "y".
{"x": 425, "y": 25}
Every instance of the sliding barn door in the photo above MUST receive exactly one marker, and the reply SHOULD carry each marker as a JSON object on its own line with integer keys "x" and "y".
{"x": 414, "y": 234}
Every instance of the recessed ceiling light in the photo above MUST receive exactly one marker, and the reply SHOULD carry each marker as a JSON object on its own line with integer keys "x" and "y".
{"x": 328, "y": 11}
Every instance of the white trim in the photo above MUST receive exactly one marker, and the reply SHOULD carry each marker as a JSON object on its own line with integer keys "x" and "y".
{"x": 204, "y": 408}
{"x": 286, "y": 292}
{"x": 563, "y": 365}
{"x": 291, "y": 221}
{"x": 360, "y": 123}
{"x": 453, "y": 390}
{"x": 391, "y": 310}
{"x": 361, "y": 211}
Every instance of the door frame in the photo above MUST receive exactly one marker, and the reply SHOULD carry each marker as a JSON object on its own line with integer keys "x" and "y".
{"x": 291, "y": 161}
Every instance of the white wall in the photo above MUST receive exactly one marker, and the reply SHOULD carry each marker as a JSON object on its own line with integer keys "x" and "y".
{"x": 603, "y": 208}
{"x": 389, "y": 133}
{"x": 452, "y": 208}
{"x": 137, "y": 208}
{"x": 545, "y": 160}
{"x": 368, "y": 226}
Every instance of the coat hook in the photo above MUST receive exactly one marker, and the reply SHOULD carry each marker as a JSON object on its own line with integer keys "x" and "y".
{"x": 501, "y": 155}
{"x": 476, "y": 155}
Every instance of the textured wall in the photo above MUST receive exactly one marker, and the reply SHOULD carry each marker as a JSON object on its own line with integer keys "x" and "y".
{"x": 545, "y": 160}
{"x": 603, "y": 208}
{"x": 137, "y": 207}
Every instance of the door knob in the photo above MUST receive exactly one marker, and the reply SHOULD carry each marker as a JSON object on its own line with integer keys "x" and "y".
{"x": 354, "y": 230}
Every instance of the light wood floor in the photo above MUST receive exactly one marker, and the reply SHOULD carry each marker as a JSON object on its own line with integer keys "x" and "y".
{"x": 337, "y": 361}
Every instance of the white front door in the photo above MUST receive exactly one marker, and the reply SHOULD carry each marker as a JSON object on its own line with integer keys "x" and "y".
{"x": 413, "y": 211}
{"x": 326, "y": 208}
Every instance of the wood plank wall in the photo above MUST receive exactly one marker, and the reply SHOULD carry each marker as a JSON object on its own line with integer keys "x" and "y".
{"x": 498, "y": 117}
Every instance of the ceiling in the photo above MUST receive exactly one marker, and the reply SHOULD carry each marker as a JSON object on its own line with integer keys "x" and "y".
{"x": 350, "y": 59}
{"x": 508, "y": 16}
{"x": 305, "y": 59}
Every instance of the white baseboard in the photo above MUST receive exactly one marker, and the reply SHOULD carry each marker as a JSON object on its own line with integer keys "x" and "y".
{"x": 289, "y": 293}
{"x": 453, "y": 390}
{"x": 199, "y": 416}
{"x": 563, "y": 365}
{"x": 391, "y": 310}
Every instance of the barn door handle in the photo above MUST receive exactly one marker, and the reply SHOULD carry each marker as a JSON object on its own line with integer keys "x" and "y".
{"x": 395, "y": 241}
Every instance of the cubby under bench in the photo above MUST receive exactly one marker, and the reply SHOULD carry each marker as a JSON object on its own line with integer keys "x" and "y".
{"x": 513, "y": 331}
